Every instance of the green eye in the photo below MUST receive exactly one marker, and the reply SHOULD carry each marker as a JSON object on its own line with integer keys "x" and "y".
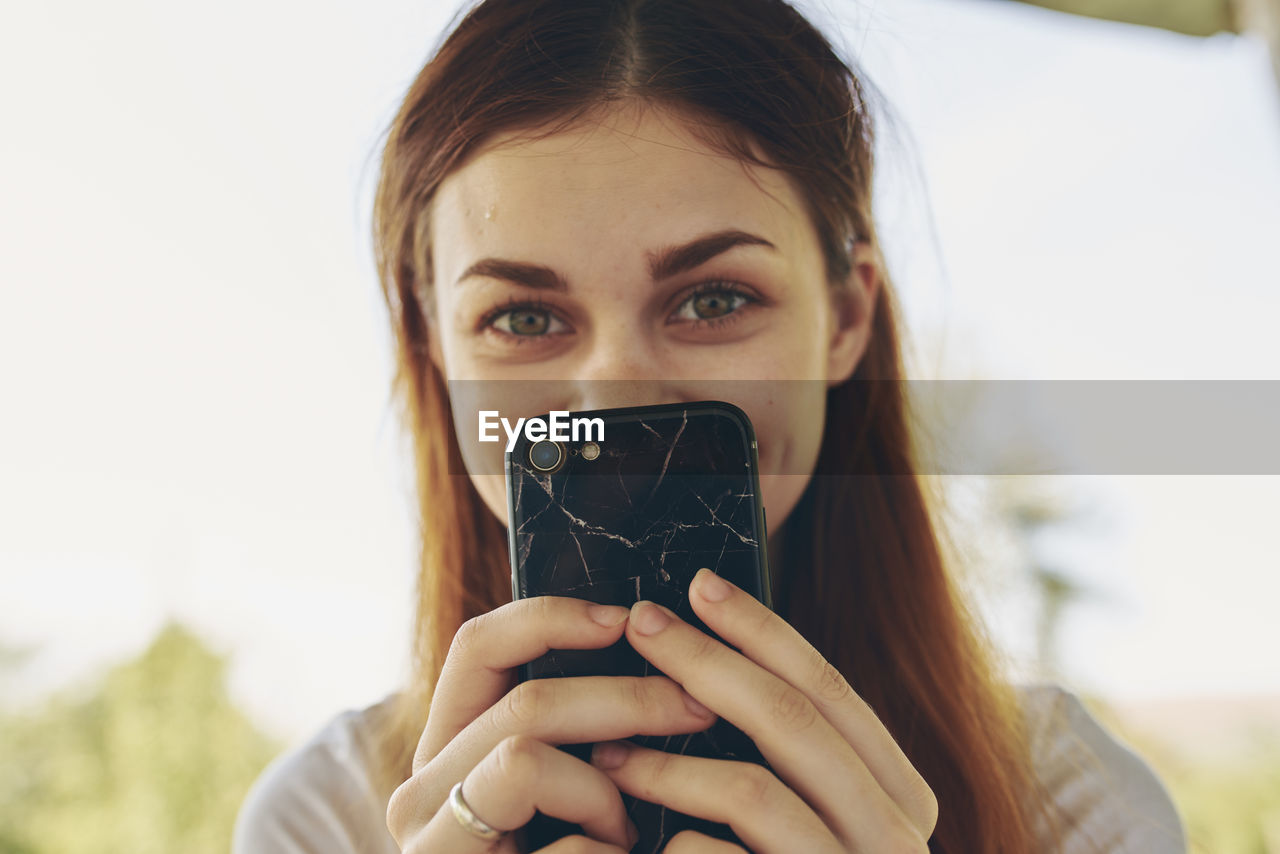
{"x": 715, "y": 304}
{"x": 525, "y": 322}
{"x": 711, "y": 303}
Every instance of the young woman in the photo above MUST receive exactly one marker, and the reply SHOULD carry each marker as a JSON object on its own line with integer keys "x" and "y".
{"x": 645, "y": 200}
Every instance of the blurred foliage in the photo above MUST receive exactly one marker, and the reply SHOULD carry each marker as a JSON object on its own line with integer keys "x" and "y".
{"x": 1228, "y": 807}
{"x": 1229, "y": 801}
{"x": 154, "y": 759}
{"x": 1229, "y": 798}
{"x": 157, "y": 759}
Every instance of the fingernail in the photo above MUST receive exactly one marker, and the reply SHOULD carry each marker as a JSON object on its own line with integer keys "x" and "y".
{"x": 712, "y": 587}
{"x": 607, "y": 615}
{"x": 609, "y": 754}
{"x": 648, "y": 618}
{"x": 696, "y": 707}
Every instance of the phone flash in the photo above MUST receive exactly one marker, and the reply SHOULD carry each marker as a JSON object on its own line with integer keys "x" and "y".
{"x": 590, "y": 451}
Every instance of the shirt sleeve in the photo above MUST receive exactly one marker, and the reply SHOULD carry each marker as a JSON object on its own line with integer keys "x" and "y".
{"x": 1107, "y": 797}
{"x": 315, "y": 799}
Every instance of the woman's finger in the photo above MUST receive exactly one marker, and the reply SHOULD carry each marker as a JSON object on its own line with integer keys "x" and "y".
{"x": 693, "y": 842}
{"x": 581, "y": 845}
{"x": 764, "y": 813}
{"x": 804, "y": 749}
{"x": 771, "y": 642}
{"x": 477, "y": 671}
{"x": 517, "y": 778}
{"x": 570, "y": 710}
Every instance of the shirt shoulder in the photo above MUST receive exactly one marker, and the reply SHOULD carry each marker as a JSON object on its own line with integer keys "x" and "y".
{"x": 319, "y": 797}
{"x": 1110, "y": 798}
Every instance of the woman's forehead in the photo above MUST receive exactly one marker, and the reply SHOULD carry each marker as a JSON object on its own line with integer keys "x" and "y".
{"x": 629, "y": 177}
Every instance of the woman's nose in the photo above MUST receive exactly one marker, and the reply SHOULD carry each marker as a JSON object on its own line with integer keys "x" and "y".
{"x": 612, "y": 394}
{"x": 623, "y": 371}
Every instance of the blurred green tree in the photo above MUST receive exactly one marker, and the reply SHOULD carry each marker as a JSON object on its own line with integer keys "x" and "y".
{"x": 154, "y": 759}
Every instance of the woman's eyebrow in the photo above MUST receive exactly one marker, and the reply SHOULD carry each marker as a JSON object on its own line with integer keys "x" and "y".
{"x": 673, "y": 260}
{"x": 663, "y": 263}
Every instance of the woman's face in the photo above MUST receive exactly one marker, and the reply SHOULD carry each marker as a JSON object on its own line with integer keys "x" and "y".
{"x": 561, "y": 284}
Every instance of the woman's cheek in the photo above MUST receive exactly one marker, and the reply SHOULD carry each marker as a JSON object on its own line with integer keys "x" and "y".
{"x": 781, "y": 493}
{"x": 493, "y": 491}
{"x": 789, "y": 422}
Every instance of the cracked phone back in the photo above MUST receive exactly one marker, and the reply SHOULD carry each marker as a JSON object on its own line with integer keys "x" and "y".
{"x": 674, "y": 489}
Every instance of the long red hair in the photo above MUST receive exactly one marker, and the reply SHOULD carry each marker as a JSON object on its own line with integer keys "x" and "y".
{"x": 864, "y": 578}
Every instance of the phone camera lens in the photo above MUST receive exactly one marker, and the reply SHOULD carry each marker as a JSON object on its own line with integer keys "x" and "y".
{"x": 545, "y": 455}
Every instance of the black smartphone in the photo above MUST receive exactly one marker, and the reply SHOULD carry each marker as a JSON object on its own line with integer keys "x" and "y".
{"x": 618, "y": 505}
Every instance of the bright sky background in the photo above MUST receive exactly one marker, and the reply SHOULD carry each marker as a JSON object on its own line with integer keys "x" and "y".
{"x": 194, "y": 369}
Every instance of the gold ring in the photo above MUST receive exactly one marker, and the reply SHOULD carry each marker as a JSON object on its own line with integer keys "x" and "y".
{"x": 471, "y": 822}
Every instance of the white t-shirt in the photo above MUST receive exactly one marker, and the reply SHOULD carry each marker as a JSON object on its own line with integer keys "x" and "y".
{"x": 319, "y": 798}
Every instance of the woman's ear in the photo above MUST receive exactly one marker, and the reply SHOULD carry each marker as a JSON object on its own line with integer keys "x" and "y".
{"x": 433, "y": 346}
{"x": 437, "y": 357}
{"x": 853, "y": 306}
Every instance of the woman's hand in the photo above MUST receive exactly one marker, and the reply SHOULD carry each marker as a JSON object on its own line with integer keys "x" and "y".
{"x": 496, "y": 736}
{"x": 841, "y": 784}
